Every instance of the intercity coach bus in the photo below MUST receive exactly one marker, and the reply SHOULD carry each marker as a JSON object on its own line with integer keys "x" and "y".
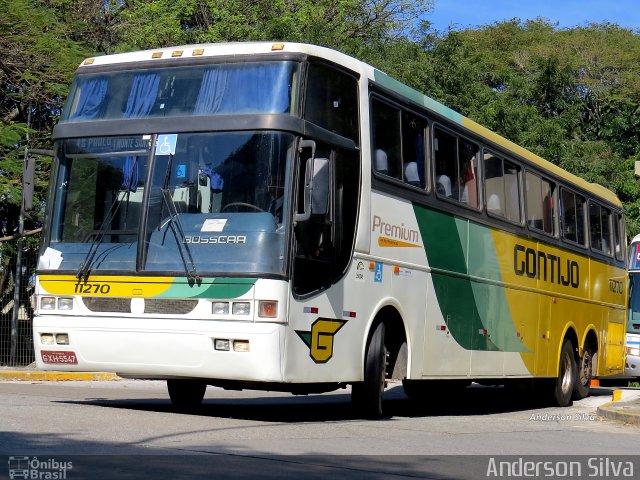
{"x": 282, "y": 216}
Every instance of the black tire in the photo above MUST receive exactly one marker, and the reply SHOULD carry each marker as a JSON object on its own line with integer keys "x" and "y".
{"x": 585, "y": 374}
{"x": 366, "y": 396}
{"x": 186, "y": 394}
{"x": 565, "y": 383}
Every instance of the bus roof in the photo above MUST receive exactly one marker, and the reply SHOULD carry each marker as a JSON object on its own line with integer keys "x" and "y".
{"x": 376, "y": 76}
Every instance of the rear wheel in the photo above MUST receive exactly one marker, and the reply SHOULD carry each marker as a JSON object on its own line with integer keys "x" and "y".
{"x": 186, "y": 394}
{"x": 366, "y": 396}
{"x": 585, "y": 374}
{"x": 566, "y": 381}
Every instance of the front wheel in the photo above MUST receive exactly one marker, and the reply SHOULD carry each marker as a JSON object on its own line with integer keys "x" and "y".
{"x": 366, "y": 396}
{"x": 186, "y": 394}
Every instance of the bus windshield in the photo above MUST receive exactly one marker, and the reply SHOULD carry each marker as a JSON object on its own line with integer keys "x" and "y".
{"x": 245, "y": 88}
{"x": 209, "y": 202}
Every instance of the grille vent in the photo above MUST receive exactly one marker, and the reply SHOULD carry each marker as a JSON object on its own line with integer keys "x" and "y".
{"x": 168, "y": 306}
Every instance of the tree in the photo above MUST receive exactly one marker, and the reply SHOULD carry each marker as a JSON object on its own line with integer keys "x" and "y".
{"x": 571, "y": 96}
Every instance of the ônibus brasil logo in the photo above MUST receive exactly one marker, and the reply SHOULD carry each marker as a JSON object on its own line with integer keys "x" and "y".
{"x": 33, "y": 468}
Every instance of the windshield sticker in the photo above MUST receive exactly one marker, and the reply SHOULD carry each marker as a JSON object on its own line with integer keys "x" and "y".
{"x": 167, "y": 144}
{"x": 50, "y": 259}
{"x": 213, "y": 225}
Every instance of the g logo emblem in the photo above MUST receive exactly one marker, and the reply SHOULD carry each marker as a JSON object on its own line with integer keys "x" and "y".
{"x": 320, "y": 338}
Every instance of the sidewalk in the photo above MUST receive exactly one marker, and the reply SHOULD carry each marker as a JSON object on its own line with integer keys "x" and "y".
{"x": 625, "y": 409}
{"x": 30, "y": 374}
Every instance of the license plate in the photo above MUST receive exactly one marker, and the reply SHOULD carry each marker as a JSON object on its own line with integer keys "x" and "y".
{"x": 65, "y": 358}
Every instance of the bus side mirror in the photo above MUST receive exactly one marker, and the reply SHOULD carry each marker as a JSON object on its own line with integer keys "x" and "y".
{"x": 320, "y": 191}
{"x": 28, "y": 177}
{"x": 316, "y": 189}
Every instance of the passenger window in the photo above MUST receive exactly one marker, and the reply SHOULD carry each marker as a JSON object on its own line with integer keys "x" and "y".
{"x": 502, "y": 184}
{"x": 572, "y": 216}
{"x": 540, "y": 204}
{"x": 456, "y": 167}
{"x": 413, "y": 149}
{"x": 600, "y": 228}
{"x": 386, "y": 139}
{"x": 618, "y": 235}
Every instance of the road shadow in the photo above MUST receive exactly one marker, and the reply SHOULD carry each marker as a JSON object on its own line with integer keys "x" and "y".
{"x": 470, "y": 401}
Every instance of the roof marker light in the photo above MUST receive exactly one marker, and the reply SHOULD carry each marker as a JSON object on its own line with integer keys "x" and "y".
{"x": 176, "y": 53}
{"x": 276, "y": 47}
{"x": 197, "y": 51}
{"x": 89, "y": 61}
{"x": 156, "y": 55}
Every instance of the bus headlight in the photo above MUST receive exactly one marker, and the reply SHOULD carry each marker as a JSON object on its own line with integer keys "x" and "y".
{"x": 46, "y": 339}
{"x": 241, "y": 308}
{"x": 48, "y": 303}
{"x": 633, "y": 351}
{"x": 220, "y": 308}
{"x": 65, "y": 303}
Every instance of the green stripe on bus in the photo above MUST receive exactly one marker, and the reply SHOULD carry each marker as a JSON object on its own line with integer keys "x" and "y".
{"x": 417, "y": 97}
{"x": 476, "y": 313}
{"x": 216, "y": 288}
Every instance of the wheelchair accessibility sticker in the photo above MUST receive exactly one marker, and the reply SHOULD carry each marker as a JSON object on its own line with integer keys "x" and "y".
{"x": 166, "y": 144}
{"x": 377, "y": 275}
{"x": 320, "y": 338}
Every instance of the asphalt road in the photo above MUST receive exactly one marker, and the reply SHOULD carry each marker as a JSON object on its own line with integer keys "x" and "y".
{"x": 127, "y": 429}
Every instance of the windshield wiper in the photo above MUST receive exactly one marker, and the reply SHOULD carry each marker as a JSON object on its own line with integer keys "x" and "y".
{"x": 178, "y": 231}
{"x": 85, "y": 267}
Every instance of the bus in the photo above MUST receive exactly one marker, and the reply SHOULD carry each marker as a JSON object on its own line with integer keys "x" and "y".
{"x": 281, "y": 216}
{"x": 632, "y": 363}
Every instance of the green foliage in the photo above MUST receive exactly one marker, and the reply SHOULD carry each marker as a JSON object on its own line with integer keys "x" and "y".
{"x": 348, "y": 25}
{"x": 571, "y": 96}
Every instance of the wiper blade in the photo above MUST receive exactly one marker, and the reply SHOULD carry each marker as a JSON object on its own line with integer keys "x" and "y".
{"x": 85, "y": 267}
{"x": 181, "y": 240}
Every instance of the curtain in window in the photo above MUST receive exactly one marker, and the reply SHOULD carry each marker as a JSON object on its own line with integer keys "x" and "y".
{"x": 212, "y": 91}
{"x": 142, "y": 97}
{"x": 130, "y": 173}
{"x": 255, "y": 88}
{"x": 92, "y": 94}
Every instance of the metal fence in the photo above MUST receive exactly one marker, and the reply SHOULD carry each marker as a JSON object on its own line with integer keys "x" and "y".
{"x": 16, "y": 340}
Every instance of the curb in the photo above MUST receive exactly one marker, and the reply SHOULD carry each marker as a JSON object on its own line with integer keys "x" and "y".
{"x": 614, "y": 410}
{"x": 37, "y": 376}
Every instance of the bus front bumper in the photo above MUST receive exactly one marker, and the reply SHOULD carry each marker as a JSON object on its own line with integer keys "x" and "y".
{"x": 160, "y": 348}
